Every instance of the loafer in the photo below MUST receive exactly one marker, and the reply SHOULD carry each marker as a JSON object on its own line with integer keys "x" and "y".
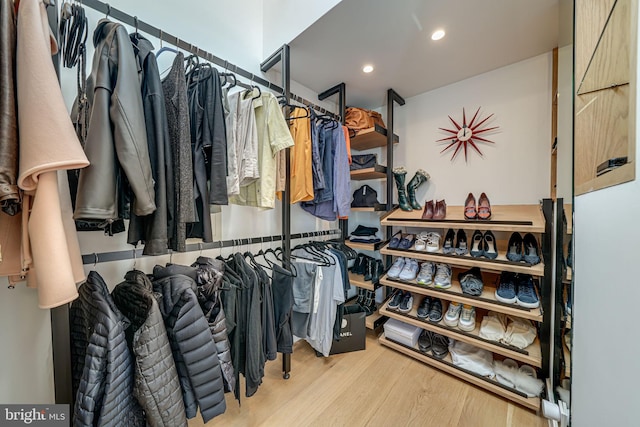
{"x": 406, "y": 242}
{"x": 477, "y": 244}
{"x": 395, "y": 241}
{"x": 514, "y": 253}
{"x": 531, "y": 251}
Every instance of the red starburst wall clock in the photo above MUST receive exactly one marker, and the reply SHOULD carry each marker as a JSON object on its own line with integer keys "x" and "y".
{"x": 466, "y": 135}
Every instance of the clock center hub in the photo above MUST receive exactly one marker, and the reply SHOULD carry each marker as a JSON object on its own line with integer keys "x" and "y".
{"x": 465, "y": 134}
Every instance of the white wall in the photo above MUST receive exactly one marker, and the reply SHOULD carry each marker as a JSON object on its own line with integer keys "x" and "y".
{"x": 516, "y": 170}
{"x": 605, "y": 370}
{"x": 232, "y": 32}
{"x": 284, "y": 20}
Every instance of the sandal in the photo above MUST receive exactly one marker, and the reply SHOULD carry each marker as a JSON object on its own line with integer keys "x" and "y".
{"x": 470, "y": 207}
{"x": 484, "y": 207}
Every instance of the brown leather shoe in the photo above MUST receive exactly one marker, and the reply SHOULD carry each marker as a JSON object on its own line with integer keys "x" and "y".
{"x": 470, "y": 207}
{"x": 428, "y": 210}
{"x": 441, "y": 210}
{"x": 484, "y": 207}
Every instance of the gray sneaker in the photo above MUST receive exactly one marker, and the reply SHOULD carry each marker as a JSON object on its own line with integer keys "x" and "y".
{"x": 443, "y": 276}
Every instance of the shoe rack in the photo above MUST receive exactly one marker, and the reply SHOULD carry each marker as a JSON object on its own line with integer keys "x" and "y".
{"x": 367, "y": 139}
{"x": 506, "y": 219}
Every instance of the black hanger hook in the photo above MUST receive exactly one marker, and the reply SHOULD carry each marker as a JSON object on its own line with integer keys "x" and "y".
{"x": 108, "y": 11}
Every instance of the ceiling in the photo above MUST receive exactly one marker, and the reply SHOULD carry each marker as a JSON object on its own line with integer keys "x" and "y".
{"x": 395, "y": 37}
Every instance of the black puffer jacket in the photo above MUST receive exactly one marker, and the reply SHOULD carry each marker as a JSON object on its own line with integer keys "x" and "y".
{"x": 156, "y": 380}
{"x": 209, "y": 281}
{"x": 102, "y": 365}
{"x": 191, "y": 342}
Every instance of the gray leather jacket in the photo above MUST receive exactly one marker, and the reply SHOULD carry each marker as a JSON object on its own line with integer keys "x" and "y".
{"x": 116, "y": 138}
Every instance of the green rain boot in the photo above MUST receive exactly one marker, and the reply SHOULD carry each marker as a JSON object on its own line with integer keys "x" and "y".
{"x": 400, "y": 174}
{"x": 418, "y": 179}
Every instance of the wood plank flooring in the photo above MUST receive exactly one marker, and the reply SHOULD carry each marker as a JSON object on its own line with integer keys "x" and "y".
{"x": 375, "y": 387}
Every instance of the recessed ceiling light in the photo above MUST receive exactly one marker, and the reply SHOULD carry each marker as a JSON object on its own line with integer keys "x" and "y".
{"x": 367, "y": 68}
{"x": 437, "y": 35}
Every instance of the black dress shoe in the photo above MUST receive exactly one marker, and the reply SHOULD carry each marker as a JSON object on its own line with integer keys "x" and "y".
{"x": 461, "y": 243}
{"x": 514, "y": 253}
{"x": 447, "y": 246}
{"x": 531, "y": 251}
{"x": 477, "y": 244}
{"x": 490, "y": 248}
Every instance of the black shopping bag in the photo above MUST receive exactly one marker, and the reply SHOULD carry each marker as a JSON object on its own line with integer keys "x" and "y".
{"x": 352, "y": 334}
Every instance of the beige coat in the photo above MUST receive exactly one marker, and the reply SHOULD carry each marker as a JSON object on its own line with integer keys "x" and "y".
{"x": 48, "y": 146}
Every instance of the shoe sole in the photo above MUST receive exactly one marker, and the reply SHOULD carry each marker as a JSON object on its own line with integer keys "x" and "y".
{"x": 422, "y": 317}
{"x": 528, "y": 304}
{"x": 439, "y": 356}
{"x": 505, "y": 300}
{"x": 424, "y": 350}
{"x": 447, "y": 250}
{"x": 407, "y": 279}
{"x": 430, "y": 282}
{"x": 450, "y": 323}
{"x": 442, "y": 286}
{"x": 466, "y": 328}
{"x": 435, "y": 321}
{"x": 432, "y": 250}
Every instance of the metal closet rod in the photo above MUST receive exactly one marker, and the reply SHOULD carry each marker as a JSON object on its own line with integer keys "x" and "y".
{"x": 181, "y": 44}
{"x": 95, "y": 258}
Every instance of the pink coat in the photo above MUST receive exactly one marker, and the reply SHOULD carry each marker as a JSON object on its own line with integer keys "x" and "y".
{"x": 48, "y": 146}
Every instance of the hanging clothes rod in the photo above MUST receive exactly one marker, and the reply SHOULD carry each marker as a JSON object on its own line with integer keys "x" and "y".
{"x": 96, "y": 258}
{"x": 153, "y": 31}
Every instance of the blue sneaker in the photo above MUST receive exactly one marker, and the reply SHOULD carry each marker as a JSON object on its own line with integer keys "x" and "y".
{"x": 526, "y": 295}
{"x": 506, "y": 291}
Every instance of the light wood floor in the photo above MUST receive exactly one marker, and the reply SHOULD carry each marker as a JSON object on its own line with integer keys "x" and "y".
{"x": 375, "y": 387}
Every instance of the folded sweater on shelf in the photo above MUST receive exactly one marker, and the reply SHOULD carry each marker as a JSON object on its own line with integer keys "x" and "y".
{"x": 508, "y": 330}
{"x": 472, "y": 358}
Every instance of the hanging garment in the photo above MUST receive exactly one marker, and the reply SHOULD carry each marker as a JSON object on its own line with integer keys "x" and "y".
{"x": 194, "y": 350}
{"x": 208, "y": 133}
{"x": 303, "y": 290}
{"x": 48, "y": 146}
{"x": 347, "y": 139}
{"x": 9, "y": 193}
{"x": 246, "y": 142}
{"x": 156, "y": 228}
{"x": 103, "y": 372}
{"x": 174, "y": 88}
{"x": 209, "y": 273}
{"x": 333, "y": 201}
{"x": 269, "y": 344}
{"x": 282, "y": 286}
{"x": 316, "y": 155}
{"x": 273, "y": 136}
{"x": 301, "y": 157}
{"x": 116, "y": 138}
{"x": 248, "y": 357}
{"x": 156, "y": 385}
{"x": 233, "y": 185}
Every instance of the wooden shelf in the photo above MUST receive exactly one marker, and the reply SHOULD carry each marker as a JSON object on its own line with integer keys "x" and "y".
{"x": 363, "y": 246}
{"x": 373, "y": 321}
{"x": 371, "y": 138}
{"x": 358, "y": 280}
{"x": 379, "y": 207}
{"x": 487, "y": 300}
{"x": 497, "y": 265}
{"x": 377, "y": 172}
{"x": 522, "y": 218}
{"x": 531, "y": 355}
{"x": 447, "y": 366}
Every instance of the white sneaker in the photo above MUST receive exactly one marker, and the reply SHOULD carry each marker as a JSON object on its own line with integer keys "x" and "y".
{"x": 410, "y": 270}
{"x": 433, "y": 242}
{"x": 443, "y": 276}
{"x": 453, "y": 314}
{"x": 425, "y": 277}
{"x": 396, "y": 268}
{"x": 467, "y": 320}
